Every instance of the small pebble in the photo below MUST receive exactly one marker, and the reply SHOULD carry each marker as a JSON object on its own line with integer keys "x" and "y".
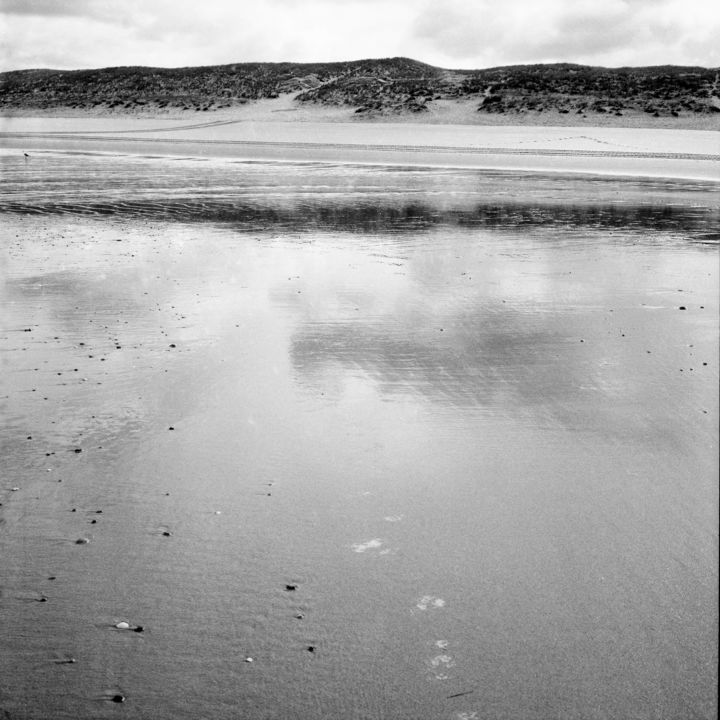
{"x": 291, "y": 587}
{"x": 166, "y": 534}
{"x": 82, "y": 541}
{"x": 118, "y": 698}
{"x": 125, "y": 625}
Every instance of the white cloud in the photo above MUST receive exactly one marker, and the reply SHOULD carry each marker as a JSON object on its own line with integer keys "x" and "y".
{"x": 632, "y": 32}
{"x": 454, "y": 33}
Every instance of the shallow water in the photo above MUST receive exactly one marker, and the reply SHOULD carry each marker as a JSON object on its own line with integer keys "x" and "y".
{"x": 461, "y": 413}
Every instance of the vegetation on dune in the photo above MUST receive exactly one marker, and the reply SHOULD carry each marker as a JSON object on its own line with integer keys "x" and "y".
{"x": 660, "y": 90}
{"x": 372, "y": 87}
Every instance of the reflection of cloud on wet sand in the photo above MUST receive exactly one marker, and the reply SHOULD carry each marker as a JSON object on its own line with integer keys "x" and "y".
{"x": 456, "y": 361}
{"x": 511, "y": 326}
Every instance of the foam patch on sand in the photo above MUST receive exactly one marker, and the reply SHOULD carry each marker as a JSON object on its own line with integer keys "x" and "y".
{"x": 429, "y": 601}
{"x": 368, "y": 545}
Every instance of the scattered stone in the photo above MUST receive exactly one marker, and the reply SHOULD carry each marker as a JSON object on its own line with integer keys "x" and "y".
{"x": 311, "y": 648}
{"x": 82, "y": 541}
{"x": 682, "y": 307}
{"x": 291, "y": 587}
{"x": 171, "y": 428}
{"x": 124, "y": 625}
{"x": 166, "y": 534}
{"x": 118, "y": 698}
{"x": 78, "y": 450}
{"x": 249, "y": 660}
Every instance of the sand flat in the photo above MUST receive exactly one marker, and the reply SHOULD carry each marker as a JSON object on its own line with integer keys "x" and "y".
{"x": 687, "y": 154}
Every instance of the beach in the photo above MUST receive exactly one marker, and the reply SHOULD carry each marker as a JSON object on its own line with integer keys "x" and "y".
{"x": 258, "y": 135}
{"x": 357, "y": 420}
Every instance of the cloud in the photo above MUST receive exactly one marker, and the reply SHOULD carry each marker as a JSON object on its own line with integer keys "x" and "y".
{"x": 46, "y": 7}
{"x": 455, "y": 33}
{"x": 635, "y": 32}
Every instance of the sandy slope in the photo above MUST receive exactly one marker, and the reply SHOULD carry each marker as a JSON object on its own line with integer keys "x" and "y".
{"x": 460, "y": 111}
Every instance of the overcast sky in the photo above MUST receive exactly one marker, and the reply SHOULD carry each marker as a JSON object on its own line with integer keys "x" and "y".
{"x": 449, "y": 33}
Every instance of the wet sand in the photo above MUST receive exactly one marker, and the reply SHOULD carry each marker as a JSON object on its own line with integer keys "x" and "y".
{"x": 356, "y": 442}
